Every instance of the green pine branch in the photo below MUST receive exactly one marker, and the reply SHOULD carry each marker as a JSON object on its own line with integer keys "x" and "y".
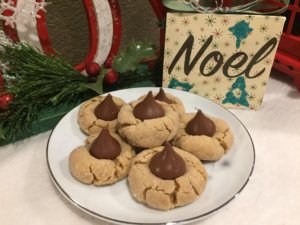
{"x": 35, "y": 80}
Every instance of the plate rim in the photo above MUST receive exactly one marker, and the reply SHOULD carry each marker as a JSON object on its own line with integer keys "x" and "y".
{"x": 183, "y": 221}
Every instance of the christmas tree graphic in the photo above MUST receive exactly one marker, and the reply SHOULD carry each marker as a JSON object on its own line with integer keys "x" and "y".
{"x": 237, "y": 94}
{"x": 240, "y": 30}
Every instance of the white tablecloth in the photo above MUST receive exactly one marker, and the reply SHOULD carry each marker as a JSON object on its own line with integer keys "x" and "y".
{"x": 272, "y": 196}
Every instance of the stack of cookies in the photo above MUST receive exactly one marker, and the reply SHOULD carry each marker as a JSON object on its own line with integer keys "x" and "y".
{"x": 153, "y": 142}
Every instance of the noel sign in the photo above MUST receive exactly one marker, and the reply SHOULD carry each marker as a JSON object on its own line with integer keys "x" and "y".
{"x": 226, "y": 58}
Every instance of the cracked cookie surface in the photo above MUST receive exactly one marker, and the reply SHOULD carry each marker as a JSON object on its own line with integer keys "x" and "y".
{"x": 87, "y": 120}
{"x": 148, "y": 133}
{"x": 90, "y": 170}
{"x": 166, "y": 194}
{"x": 204, "y": 147}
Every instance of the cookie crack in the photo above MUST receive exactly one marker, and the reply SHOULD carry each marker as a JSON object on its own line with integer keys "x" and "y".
{"x": 159, "y": 129}
{"x": 137, "y": 161}
{"x": 95, "y": 179}
{"x": 173, "y": 195}
{"x": 173, "y": 120}
{"x": 221, "y": 140}
{"x": 193, "y": 187}
{"x": 91, "y": 126}
{"x": 120, "y": 126}
{"x": 119, "y": 164}
{"x": 145, "y": 192}
{"x": 107, "y": 179}
{"x": 203, "y": 174}
{"x": 119, "y": 167}
{"x": 167, "y": 128}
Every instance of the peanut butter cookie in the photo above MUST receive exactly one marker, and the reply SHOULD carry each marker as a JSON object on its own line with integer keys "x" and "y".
{"x": 99, "y": 112}
{"x": 105, "y": 160}
{"x": 206, "y": 137}
{"x": 147, "y": 123}
{"x": 175, "y": 188}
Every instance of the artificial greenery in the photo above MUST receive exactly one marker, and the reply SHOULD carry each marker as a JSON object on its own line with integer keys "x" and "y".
{"x": 129, "y": 59}
{"x": 37, "y": 81}
{"x": 132, "y": 64}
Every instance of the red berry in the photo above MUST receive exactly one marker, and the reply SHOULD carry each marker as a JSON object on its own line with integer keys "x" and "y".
{"x": 92, "y": 69}
{"x": 5, "y": 100}
{"x": 111, "y": 77}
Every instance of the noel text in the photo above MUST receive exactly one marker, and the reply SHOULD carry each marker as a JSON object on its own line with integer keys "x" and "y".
{"x": 235, "y": 61}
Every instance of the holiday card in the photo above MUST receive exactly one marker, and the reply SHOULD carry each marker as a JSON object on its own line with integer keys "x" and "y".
{"x": 226, "y": 58}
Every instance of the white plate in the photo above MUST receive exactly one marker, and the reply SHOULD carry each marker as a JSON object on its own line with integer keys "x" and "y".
{"x": 227, "y": 177}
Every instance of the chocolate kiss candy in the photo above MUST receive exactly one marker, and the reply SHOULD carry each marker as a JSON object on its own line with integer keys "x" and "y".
{"x": 105, "y": 146}
{"x": 161, "y": 96}
{"x": 167, "y": 164}
{"x": 107, "y": 110}
{"x": 148, "y": 108}
{"x": 200, "y": 125}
